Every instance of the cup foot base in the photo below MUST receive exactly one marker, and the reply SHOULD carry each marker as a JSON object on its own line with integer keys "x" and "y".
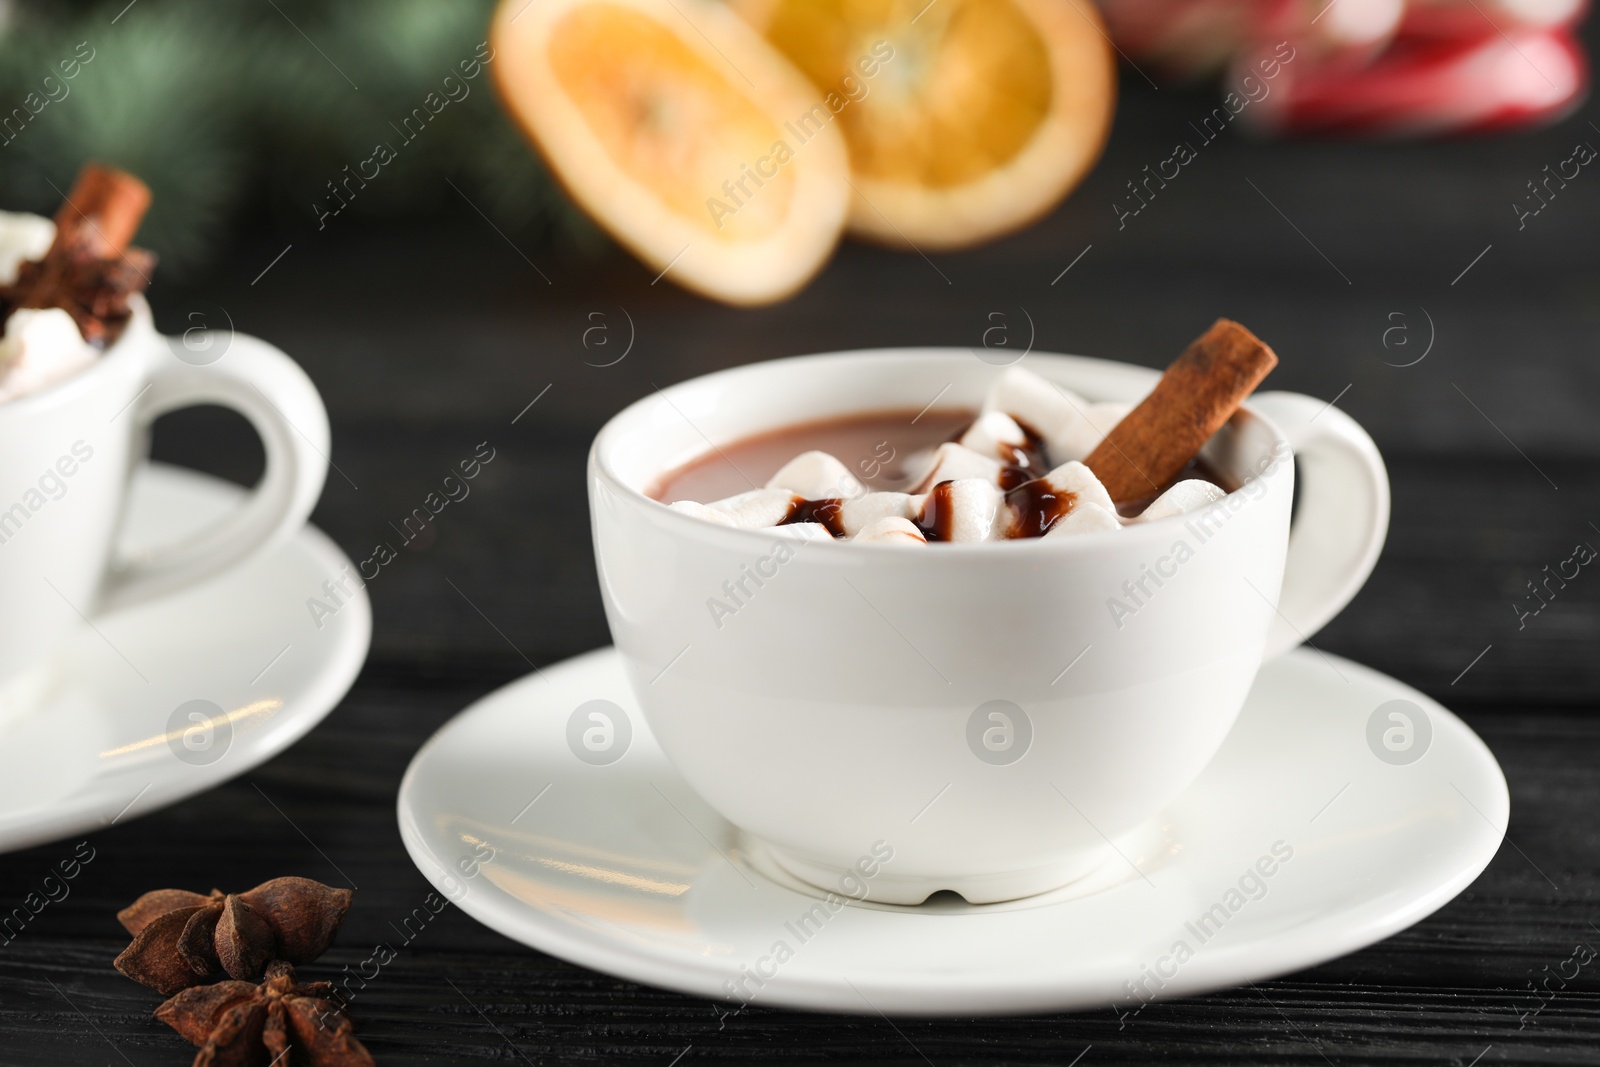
{"x": 884, "y": 887}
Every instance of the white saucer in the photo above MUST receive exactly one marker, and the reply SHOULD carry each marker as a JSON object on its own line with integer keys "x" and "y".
{"x": 621, "y": 868}
{"x": 107, "y": 735}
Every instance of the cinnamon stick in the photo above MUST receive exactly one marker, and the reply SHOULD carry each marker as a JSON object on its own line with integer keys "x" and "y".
{"x": 102, "y": 212}
{"x": 90, "y": 270}
{"x": 1200, "y": 391}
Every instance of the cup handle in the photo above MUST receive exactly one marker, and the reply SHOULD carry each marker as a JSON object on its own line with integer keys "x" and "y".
{"x": 268, "y": 388}
{"x": 1342, "y": 517}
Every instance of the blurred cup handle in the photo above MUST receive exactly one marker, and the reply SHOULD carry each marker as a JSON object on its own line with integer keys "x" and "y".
{"x": 268, "y": 388}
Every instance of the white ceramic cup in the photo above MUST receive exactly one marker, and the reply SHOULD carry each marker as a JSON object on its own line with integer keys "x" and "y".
{"x": 988, "y": 712}
{"x": 66, "y": 454}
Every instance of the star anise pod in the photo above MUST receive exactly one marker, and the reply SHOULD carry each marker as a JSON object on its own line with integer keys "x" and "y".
{"x": 282, "y": 1022}
{"x": 90, "y": 270}
{"x": 95, "y": 291}
{"x": 182, "y": 939}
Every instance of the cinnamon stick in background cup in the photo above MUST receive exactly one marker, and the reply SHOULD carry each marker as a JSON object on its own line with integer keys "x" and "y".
{"x": 102, "y": 212}
{"x": 90, "y": 270}
{"x": 1196, "y": 396}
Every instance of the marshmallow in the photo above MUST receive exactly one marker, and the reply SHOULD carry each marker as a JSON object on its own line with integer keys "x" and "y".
{"x": 1070, "y": 425}
{"x": 22, "y": 236}
{"x": 804, "y": 531}
{"x": 915, "y": 467}
{"x": 1073, "y": 477}
{"x": 994, "y": 434}
{"x": 891, "y": 530}
{"x": 1084, "y": 435}
{"x": 816, "y": 476}
{"x": 863, "y": 511}
{"x": 1040, "y": 506}
{"x": 1084, "y": 518}
{"x": 967, "y": 509}
{"x": 701, "y": 511}
{"x": 1108, "y": 413}
{"x": 1054, "y": 413}
{"x": 1189, "y": 495}
{"x": 1025, "y": 396}
{"x": 952, "y": 462}
{"x": 758, "y": 507}
{"x": 41, "y": 346}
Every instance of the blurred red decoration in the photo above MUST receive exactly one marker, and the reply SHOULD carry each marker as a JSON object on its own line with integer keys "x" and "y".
{"x": 1372, "y": 67}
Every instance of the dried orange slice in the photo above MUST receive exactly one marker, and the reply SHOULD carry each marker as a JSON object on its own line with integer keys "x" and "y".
{"x": 665, "y": 120}
{"x": 966, "y": 118}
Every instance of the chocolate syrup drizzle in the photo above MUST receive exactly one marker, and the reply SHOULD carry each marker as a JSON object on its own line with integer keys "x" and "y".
{"x": 1024, "y": 462}
{"x": 1034, "y": 504}
{"x": 937, "y": 518}
{"x": 1035, "y": 507}
{"x": 829, "y": 513}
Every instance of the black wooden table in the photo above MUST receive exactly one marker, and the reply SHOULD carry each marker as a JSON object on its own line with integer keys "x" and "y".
{"x": 1352, "y": 259}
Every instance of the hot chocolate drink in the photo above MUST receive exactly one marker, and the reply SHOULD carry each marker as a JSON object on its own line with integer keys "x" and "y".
{"x": 1013, "y": 469}
{"x": 875, "y": 446}
{"x": 881, "y": 449}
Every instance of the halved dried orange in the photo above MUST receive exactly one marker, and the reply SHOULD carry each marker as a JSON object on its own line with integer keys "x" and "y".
{"x": 966, "y": 119}
{"x": 669, "y": 122}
